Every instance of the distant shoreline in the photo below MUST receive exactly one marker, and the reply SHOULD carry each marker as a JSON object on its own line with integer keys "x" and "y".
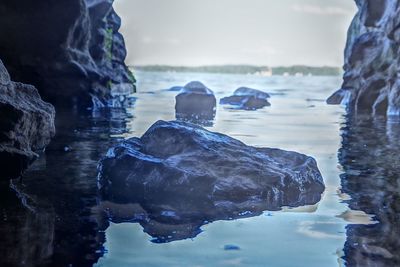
{"x": 297, "y": 70}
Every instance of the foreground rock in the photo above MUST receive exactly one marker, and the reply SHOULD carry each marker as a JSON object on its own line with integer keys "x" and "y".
{"x": 195, "y": 102}
{"x": 26, "y": 125}
{"x": 182, "y": 175}
{"x": 70, "y": 50}
{"x": 371, "y": 82}
{"x": 247, "y": 99}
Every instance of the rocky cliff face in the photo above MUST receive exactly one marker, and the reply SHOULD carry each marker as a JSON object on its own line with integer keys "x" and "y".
{"x": 70, "y": 50}
{"x": 26, "y": 125}
{"x": 372, "y": 62}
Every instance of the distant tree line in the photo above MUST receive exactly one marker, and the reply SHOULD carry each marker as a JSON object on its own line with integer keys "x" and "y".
{"x": 247, "y": 69}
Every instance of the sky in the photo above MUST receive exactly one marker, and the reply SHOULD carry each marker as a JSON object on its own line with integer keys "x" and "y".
{"x": 216, "y": 32}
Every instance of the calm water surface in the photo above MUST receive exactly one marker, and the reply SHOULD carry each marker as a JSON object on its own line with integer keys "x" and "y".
{"x": 298, "y": 120}
{"x": 52, "y": 218}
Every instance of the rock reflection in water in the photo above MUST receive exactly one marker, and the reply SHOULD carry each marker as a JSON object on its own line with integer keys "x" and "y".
{"x": 370, "y": 158}
{"x": 27, "y": 236}
{"x": 167, "y": 226}
{"x": 51, "y": 224}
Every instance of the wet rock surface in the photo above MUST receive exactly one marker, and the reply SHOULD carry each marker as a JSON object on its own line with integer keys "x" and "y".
{"x": 26, "y": 125}
{"x": 339, "y": 97}
{"x": 247, "y": 99}
{"x": 182, "y": 176}
{"x": 371, "y": 81}
{"x": 70, "y": 50}
{"x": 195, "y": 102}
{"x": 369, "y": 156}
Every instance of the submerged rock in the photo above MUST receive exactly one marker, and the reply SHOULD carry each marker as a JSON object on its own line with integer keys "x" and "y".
{"x": 195, "y": 102}
{"x": 371, "y": 80}
{"x": 70, "y": 50}
{"x": 182, "y": 175}
{"x": 175, "y": 89}
{"x": 231, "y": 247}
{"x": 26, "y": 125}
{"x": 247, "y": 98}
{"x": 339, "y": 97}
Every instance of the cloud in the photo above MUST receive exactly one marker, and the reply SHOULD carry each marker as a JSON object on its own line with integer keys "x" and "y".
{"x": 319, "y": 10}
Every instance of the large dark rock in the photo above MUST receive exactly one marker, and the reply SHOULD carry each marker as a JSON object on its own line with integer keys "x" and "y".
{"x": 371, "y": 82}
{"x": 182, "y": 175}
{"x": 26, "y": 125}
{"x": 195, "y": 102}
{"x": 70, "y": 50}
{"x": 247, "y": 99}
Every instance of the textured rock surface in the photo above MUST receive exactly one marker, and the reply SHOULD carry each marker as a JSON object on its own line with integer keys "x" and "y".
{"x": 26, "y": 125}
{"x": 70, "y": 50}
{"x": 181, "y": 174}
{"x": 371, "y": 82}
{"x": 195, "y": 101}
{"x": 247, "y": 98}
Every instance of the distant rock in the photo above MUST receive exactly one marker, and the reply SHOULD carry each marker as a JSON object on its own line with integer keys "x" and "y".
{"x": 195, "y": 102}
{"x": 231, "y": 247}
{"x": 247, "y": 98}
{"x": 174, "y": 89}
{"x": 26, "y": 125}
{"x": 183, "y": 176}
{"x": 245, "y": 91}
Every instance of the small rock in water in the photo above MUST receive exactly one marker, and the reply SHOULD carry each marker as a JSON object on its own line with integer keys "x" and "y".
{"x": 339, "y": 97}
{"x": 231, "y": 247}
{"x": 245, "y": 91}
{"x": 195, "y": 102}
{"x": 174, "y": 89}
{"x": 247, "y": 99}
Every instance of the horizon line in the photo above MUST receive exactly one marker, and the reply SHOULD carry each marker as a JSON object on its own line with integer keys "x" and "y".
{"x": 230, "y": 65}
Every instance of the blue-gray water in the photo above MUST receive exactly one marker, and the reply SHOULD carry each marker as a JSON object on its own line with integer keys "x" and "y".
{"x": 298, "y": 120}
{"x": 55, "y": 217}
